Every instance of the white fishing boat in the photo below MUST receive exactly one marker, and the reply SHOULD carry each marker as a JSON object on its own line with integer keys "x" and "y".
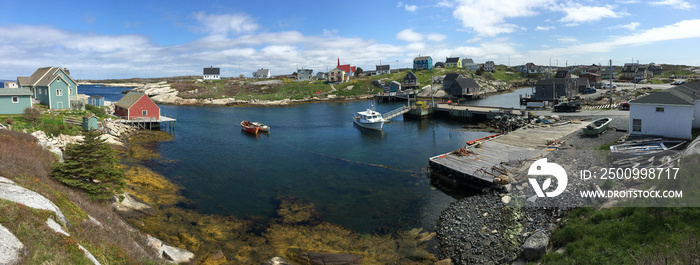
{"x": 369, "y": 119}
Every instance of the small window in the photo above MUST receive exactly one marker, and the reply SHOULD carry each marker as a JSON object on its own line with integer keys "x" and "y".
{"x": 144, "y": 112}
{"x": 659, "y": 109}
{"x": 59, "y": 92}
{"x": 15, "y": 99}
{"x": 636, "y": 125}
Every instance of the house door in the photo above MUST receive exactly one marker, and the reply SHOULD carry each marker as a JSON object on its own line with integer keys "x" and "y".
{"x": 59, "y": 105}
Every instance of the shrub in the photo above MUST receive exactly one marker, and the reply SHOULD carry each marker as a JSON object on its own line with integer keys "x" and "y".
{"x": 99, "y": 112}
{"x": 32, "y": 115}
{"x": 92, "y": 166}
{"x": 9, "y": 121}
{"x": 62, "y": 127}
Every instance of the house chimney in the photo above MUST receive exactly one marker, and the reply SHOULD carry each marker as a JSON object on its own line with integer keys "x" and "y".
{"x": 66, "y": 70}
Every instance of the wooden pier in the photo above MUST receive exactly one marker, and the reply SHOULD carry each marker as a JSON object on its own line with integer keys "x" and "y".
{"x": 391, "y": 114}
{"x": 149, "y": 123}
{"x": 479, "y": 167}
{"x": 475, "y": 112}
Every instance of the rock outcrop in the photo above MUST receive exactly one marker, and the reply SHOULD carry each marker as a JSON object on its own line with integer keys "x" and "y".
{"x": 132, "y": 207}
{"x": 535, "y": 246}
{"x": 11, "y": 249}
{"x": 12, "y": 192}
{"x": 173, "y": 254}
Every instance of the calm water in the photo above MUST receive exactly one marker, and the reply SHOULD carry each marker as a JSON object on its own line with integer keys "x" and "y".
{"x": 365, "y": 180}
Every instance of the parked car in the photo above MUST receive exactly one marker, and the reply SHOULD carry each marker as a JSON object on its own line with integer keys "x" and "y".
{"x": 606, "y": 86}
{"x": 566, "y": 107}
{"x": 589, "y": 90}
{"x": 675, "y": 83}
{"x": 624, "y": 106}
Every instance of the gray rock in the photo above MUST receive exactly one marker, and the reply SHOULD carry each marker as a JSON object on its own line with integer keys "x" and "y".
{"x": 11, "y": 248}
{"x": 505, "y": 199}
{"x": 535, "y": 246}
{"x": 173, "y": 254}
{"x": 131, "y": 206}
{"x": 11, "y": 192}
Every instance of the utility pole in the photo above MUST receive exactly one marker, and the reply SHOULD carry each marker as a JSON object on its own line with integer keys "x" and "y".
{"x": 611, "y": 78}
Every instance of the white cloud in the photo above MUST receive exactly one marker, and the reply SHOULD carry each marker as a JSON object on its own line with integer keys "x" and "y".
{"x": 226, "y": 23}
{"x": 409, "y": 35}
{"x": 546, "y": 28}
{"x": 436, "y": 37}
{"x": 472, "y": 40}
{"x": 577, "y": 13}
{"x": 566, "y": 39}
{"x": 411, "y": 8}
{"x": 631, "y": 26}
{"x": 677, "y": 4}
{"x": 628, "y": 2}
{"x": 488, "y": 18}
{"x": 445, "y": 3}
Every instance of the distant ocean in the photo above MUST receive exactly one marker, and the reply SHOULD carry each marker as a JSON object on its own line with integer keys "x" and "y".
{"x": 109, "y": 93}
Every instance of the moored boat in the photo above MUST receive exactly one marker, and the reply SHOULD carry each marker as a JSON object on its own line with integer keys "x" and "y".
{"x": 597, "y": 126}
{"x": 658, "y": 147}
{"x": 263, "y": 127}
{"x": 369, "y": 119}
{"x": 249, "y": 127}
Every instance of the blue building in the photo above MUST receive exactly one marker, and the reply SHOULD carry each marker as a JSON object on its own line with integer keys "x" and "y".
{"x": 423, "y": 63}
{"x": 96, "y": 100}
{"x": 53, "y": 87}
{"x": 14, "y": 100}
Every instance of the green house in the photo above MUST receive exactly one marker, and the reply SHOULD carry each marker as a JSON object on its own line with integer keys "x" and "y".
{"x": 14, "y": 100}
{"x": 53, "y": 87}
{"x": 89, "y": 122}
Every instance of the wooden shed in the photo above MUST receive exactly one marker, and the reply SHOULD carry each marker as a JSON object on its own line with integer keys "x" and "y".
{"x": 96, "y": 100}
{"x": 136, "y": 105}
{"x": 89, "y": 122}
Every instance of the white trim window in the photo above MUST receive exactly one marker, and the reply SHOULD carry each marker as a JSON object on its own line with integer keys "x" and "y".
{"x": 144, "y": 112}
{"x": 59, "y": 92}
{"x": 15, "y": 99}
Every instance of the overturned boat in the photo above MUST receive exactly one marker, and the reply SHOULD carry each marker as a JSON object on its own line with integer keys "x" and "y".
{"x": 597, "y": 126}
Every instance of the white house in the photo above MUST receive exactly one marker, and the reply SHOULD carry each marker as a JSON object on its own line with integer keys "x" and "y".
{"x": 262, "y": 73}
{"x": 671, "y": 113}
{"x": 211, "y": 73}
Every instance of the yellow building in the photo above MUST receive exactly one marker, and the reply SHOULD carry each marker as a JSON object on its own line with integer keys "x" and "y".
{"x": 453, "y": 62}
{"x": 337, "y": 76}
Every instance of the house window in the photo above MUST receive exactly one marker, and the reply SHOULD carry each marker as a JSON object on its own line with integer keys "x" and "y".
{"x": 144, "y": 112}
{"x": 59, "y": 92}
{"x": 659, "y": 109}
{"x": 636, "y": 125}
{"x": 15, "y": 99}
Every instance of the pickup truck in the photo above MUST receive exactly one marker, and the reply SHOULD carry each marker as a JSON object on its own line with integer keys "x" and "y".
{"x": 566, "y": 107}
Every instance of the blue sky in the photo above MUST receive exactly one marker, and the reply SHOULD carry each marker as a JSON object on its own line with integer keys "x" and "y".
{"x": 124, "y": 39}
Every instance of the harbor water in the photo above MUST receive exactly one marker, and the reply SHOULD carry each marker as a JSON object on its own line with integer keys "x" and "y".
{"x": 369, "y": 181}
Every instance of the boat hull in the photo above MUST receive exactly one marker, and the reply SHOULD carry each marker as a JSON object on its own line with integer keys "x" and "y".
{"x": 249, "y": 127}
{"x": 372, "y": 126}
{"x": 596, "y": 127}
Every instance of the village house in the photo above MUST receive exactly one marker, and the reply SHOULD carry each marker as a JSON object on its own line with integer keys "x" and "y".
{"x": 10, "y": 84}
{"x": 410, "y": 80}
{"x": 594, "y": 79}
{"x": 211, "y": 73}
{"x": 453, "y": 62}
{"x": 423, "y": 63}
{"x": 629, "y": 71}
{"x": 262, "y": 74}
{"x": 440, "y": 65}
{"x": 671, "y": 113}
{"x": 336, "y": 76}
{"x": 551, "y": 89}
{"x": 321, "y": 75}
{"x": 583, "y": 83}
{"x": 349, "y": 70}
{"x": 490, "y": 66}
{"x": 382, "y": 69}
{"x": 304, "y": 74}
{"x": 470, "y": 65}
{"x": 392, "y": 87}
{"x": 53, "y": 87}
{"x": 14, "y": 100}
{"x": 96, "y": 100}
{"x": 136, "y": 105}
{"x": 463, "y": 87}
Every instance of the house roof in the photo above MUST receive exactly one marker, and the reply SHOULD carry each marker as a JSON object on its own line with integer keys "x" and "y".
{"x": 129, "y": 99}
{"x": 680, "y": 95}
{"x": 15, "y": 92}
{"x": 462, "y": 82}
{"x": 561, "y": 74}
{"x": 212, "y": 71}
{"x": 452, "y": 60}
{"x": 42, "y": 77}
{"x": 347, "y": 68}
{"x": 550, "y": 81}
{"x": 383, "y": 67}
{"x": 451, "y": 77}
{"x": 96, "y": 96}
{"x": 263, "y": 71}
{"x": 422, "y": 58}
{"x": 467, "y": 60}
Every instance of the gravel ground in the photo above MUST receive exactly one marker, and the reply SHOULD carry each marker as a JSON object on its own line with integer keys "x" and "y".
{"x": 482, "y": 229}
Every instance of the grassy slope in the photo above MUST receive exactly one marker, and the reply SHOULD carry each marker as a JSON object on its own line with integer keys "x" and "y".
{"x": 28, "y": 165}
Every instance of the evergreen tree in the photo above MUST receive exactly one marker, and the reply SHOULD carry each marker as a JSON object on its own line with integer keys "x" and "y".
{"x": 92, "y": 166}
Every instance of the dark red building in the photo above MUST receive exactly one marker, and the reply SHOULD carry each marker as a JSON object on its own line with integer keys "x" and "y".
{"x": 136, "y": 105}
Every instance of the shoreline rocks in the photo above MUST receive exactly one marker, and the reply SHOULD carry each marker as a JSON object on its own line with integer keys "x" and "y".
{"x": 11, "y": 249}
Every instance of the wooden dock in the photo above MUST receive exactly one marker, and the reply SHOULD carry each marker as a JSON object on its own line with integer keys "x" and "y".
{"x": 480, "y": 166}
{"x": 476, "y": 112}
{"x": 149, "y": 123}
{"x": 391, "y": 114}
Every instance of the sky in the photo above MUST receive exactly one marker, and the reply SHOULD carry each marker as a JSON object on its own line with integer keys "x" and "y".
{"x": 126, "y": 39}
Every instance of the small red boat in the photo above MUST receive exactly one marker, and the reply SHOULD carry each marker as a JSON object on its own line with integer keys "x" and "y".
{"x": 249, "y": 127}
